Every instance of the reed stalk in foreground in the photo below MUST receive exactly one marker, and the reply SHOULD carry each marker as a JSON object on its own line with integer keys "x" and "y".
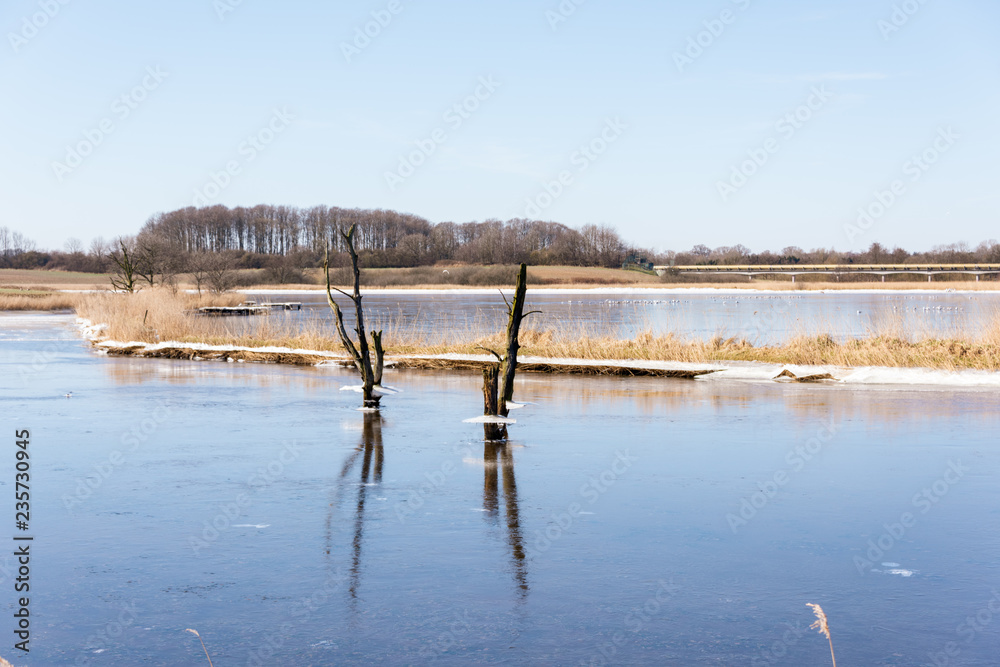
{"x": 195, "y": 633}
{"x": 821, "y": 626}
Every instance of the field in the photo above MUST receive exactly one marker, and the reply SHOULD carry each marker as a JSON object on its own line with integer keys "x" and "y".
{"x": 67, "y": 280}
{"x": 16, "y": 281}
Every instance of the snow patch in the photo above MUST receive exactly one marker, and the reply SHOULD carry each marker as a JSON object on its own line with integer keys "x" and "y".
{"x": 377, "y": 390}
{"x": 489, "y": 419}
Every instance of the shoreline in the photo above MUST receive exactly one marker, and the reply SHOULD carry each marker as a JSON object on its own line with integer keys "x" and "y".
{"x": 832, "y": 375}
{"x": 136, "y": 325}
{"x": 609, "y": 290}
{"x": 747, "y": 371}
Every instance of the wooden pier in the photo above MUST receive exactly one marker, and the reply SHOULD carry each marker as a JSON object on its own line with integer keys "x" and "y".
{"x": 289, "y": 305}
{"x": 248, "y": 308}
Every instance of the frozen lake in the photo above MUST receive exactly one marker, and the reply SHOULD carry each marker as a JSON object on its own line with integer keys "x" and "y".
{"x": 760, "y": 317}
{"x": 629, "y": 521}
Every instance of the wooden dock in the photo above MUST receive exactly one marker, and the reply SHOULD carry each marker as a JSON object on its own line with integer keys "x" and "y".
{"x": 248, "y": 308}
{"x": 288, "y": 305}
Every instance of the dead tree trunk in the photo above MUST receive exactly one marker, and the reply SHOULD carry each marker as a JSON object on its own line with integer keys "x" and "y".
{"x": 508, "y": 367}
{"x": 498, "y": 380}
{"x": 490, "y": 376}
{"x": 371, "y": 373}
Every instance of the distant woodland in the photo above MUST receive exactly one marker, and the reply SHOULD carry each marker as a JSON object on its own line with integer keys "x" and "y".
{"x": 285, "y": 240}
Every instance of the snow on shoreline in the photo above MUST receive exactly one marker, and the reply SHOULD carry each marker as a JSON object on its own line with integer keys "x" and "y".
{"x": 745, "y": 371}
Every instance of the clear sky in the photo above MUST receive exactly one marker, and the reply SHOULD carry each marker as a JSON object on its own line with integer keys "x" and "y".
{"x": 112, "y": 111}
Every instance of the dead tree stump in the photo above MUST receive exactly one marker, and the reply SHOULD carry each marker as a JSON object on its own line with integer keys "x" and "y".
{"x": 498, "y": 379}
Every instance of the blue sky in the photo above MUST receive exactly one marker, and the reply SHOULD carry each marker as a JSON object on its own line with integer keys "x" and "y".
{"x": 606, "y": 113}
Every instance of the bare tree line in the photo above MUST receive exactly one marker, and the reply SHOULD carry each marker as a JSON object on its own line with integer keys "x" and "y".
{"x": 987, "y": 252}
{"x": 384, "y": 238}
{"x": 210, "y": 244}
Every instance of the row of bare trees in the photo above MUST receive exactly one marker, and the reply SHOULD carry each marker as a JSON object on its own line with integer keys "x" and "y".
{"x": 385, "y": 238}
{"x": 987, "y": 252}
{"x": 213, "y": 243}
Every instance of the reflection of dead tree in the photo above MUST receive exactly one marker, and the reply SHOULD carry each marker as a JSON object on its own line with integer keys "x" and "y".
{"x": 371, "y": 453}
{"x": 492, "y": 451}
{"x": 371, "y": 374}
{"x": 372, "y": 442}
{"x": 498, "y": 380}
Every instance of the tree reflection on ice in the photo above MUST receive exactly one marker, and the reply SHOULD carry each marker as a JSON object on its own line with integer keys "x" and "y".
{"x": 497, "y": 457}
{"x": 369, "y": 450}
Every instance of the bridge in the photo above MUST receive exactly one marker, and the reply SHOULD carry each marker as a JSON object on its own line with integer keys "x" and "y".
{"x": 793, "y": 270}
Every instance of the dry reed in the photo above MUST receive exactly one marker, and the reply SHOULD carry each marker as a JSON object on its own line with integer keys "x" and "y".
{"x": 38, "y": 301}
{"x": 195, "y": 633}
{"x": 823, "y": 627}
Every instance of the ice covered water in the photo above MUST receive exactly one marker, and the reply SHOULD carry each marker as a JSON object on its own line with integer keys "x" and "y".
{"x": 700, "y": 313}
{"x": 630, "y": 520}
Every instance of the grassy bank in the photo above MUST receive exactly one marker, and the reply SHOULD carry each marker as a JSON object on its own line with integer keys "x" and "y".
{"x": 159, "y": 315}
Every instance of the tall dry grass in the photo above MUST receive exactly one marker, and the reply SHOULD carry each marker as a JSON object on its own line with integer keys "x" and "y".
{"x": 38, "y": 301}
{"x": 159, "y": 315}
{"x": 154, "y": 314}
